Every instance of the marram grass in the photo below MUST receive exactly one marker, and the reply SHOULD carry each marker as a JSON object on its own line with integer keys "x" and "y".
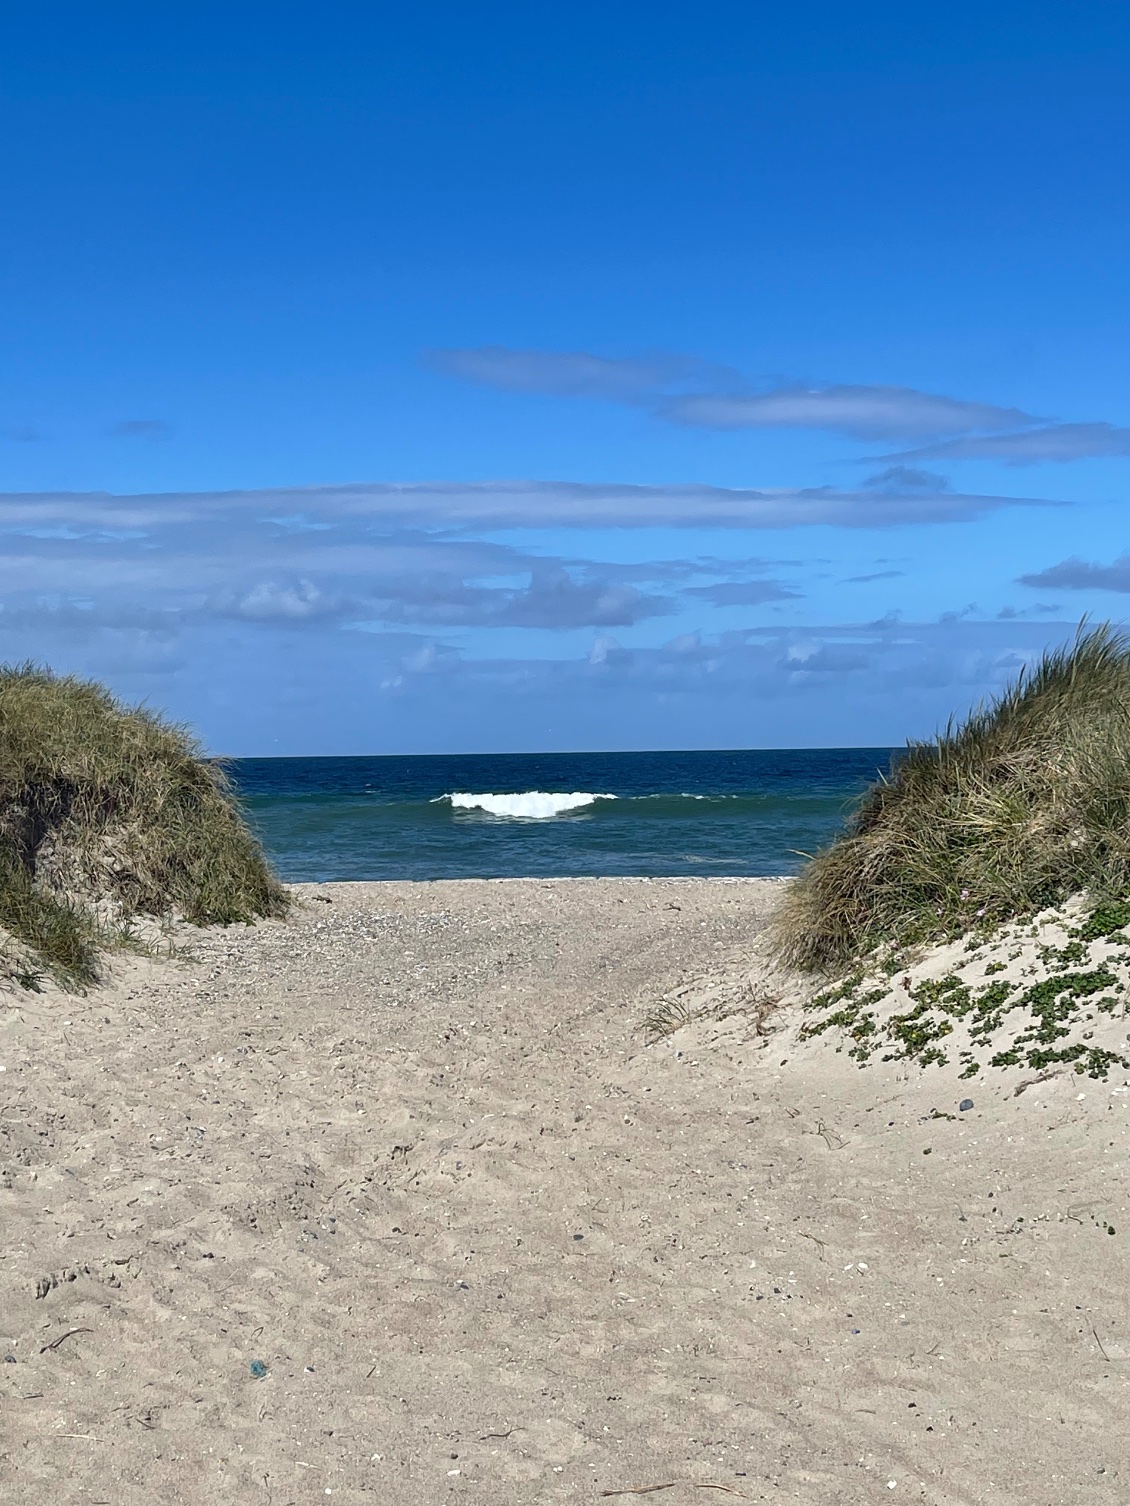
{"x": 1021, "y": 806}
{"x": 106, "y": 814}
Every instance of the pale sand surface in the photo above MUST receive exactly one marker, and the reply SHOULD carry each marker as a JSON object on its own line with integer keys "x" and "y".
{"x": 411, "y": 1152}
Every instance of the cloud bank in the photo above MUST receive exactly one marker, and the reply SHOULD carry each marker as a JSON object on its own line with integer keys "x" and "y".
{"x": 398, "y": 690}
{"x": 377, "y": 557}
{"x": 329, "y": 613}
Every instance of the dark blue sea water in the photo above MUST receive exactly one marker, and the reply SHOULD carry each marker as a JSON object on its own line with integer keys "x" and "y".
{"x": 748, "y": 814}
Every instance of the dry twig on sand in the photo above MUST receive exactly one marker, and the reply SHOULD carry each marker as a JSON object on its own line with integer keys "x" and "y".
{"x": 54, "y": 1344}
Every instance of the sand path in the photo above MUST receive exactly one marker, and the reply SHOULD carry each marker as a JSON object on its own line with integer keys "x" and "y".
{"x": 409, "y": 1154}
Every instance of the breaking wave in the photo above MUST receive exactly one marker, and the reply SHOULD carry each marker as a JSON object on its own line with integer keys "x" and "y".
{"x": 533, "y": 805}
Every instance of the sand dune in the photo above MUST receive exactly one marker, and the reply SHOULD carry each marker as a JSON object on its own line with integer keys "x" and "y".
{"x": 393, "y": 1203}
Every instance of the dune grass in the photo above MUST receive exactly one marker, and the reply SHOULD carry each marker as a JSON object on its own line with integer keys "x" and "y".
{"x": 108, "y": 813}
{"x": 1021, "y": 806}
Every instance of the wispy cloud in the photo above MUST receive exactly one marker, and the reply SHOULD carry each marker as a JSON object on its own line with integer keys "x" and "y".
{"x": 575, "y": 373}
{"x": 751, "y": 593}
{"x": 1051, "y": 442}
{"x": 141, "y": 428}
{"x": 1079, "y": 575}
{"x": 906, "y": 481}
{"x": 858, "y": 412}
{"x": 497, "y": 505}
{"x": 684, "y": 390}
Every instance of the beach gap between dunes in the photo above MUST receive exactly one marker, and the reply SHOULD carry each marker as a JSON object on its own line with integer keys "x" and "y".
{"x": 392, "y": 1201}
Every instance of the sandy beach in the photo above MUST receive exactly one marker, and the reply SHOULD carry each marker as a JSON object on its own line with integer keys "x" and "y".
{"x": 393, "y": 1202}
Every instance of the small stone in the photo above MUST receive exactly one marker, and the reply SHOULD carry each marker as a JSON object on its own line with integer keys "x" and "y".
{"x": 965, "y": 1105}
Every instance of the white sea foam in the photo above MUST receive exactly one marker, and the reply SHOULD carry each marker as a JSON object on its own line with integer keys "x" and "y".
{"x": 533, "y": 805}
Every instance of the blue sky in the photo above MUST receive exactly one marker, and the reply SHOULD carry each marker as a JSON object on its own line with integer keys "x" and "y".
{"x": 401, "y": 379}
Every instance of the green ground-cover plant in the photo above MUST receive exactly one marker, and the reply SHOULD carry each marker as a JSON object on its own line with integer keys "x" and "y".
{"x": 1038, "y": 1020}
{"x": 1021, "y": 806}
{"x": 108, "y": 813}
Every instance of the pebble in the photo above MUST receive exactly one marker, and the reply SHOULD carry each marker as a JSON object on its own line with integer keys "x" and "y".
{"x": 965, "y": 1105}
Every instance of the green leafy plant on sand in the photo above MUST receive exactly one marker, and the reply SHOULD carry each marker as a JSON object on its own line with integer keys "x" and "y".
{"x": 106, "y": 814}
{"x": 1023, "y": 805}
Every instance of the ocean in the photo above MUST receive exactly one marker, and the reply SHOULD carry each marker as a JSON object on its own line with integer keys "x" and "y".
{"x": 513, "y": 815}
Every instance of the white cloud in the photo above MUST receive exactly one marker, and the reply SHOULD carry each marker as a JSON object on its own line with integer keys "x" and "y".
{"x": 300, "y": 601}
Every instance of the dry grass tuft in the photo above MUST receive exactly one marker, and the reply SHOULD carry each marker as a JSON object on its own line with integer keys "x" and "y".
{"x": 1016, "y": 809}
{"x": 106, "y": 814}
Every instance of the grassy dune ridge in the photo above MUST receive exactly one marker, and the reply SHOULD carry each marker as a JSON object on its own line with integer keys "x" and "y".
{"x": 975, "y": 914}
{"x": 108, "y": 813}
{"x": 1018, "y": 808}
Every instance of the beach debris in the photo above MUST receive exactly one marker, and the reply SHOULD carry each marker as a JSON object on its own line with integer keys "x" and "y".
{"x": 54, "y": 1344}
{"x": 1099, "y": 1342}
{"x": 1030, "y": 1082}
{"x": 640, "y": 1490}
{"x": 258, "y": 1369}
{"x": 646, "y": 1490}
{"x": 965, "y": 1105}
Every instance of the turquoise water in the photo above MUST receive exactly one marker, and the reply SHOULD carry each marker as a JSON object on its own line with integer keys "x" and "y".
{"x": 739, "y": 813}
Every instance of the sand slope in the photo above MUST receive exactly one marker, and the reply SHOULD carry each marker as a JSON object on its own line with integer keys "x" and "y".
{"x": 410, "y": 1153}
